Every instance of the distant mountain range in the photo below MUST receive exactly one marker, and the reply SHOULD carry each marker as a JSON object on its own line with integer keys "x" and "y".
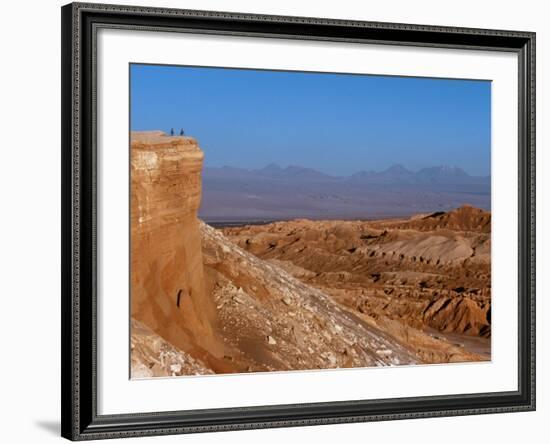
{"x": 394, "y": 175}
{"x": 443, "y": 174}
{"x": 275, "y": 193}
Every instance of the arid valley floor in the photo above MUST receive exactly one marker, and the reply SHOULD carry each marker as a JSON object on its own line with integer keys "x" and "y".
{"x": 297, "y": 294}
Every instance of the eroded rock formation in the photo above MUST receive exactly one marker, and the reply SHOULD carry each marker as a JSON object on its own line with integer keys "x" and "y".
{"x": 167, "y": 278}
{"x": 429, "y": 271}
{"x": 273, "y": 321}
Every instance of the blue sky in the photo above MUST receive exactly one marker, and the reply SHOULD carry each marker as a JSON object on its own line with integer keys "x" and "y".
{"x": 335, "y": 123}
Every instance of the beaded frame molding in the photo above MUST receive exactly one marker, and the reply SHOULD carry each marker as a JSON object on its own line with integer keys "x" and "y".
{"x": 80, "y": 22}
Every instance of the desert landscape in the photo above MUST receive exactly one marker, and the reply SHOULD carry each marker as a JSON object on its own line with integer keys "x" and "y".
{"x": 256, "y": 292}
{"x": 237, "y": 195}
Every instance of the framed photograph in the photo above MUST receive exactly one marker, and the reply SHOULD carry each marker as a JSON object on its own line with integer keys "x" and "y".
{"x": 282, "y": 221}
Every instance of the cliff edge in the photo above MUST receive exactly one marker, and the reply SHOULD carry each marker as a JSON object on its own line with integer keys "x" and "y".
{"x": 167, "y": 278}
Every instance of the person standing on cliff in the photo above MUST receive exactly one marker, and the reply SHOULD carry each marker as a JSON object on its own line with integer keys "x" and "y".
{"x": 182, "y": 133}
{"x": 172, "y": 131}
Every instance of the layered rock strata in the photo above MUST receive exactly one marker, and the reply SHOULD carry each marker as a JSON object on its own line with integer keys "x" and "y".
{"x": 429, "y": 271}
{"x": 167, "y": 278}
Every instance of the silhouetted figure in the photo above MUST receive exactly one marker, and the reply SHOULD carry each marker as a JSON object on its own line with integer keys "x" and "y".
{"x": 182, "y": 133}
{"x": 172, "y": 132}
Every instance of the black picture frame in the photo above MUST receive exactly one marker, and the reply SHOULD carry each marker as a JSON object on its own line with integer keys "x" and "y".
{"x": 80, "y": 420}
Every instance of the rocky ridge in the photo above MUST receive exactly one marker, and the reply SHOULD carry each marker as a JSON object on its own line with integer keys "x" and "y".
{"x": 429, "y": 271}
{"x": 273, "y": 321}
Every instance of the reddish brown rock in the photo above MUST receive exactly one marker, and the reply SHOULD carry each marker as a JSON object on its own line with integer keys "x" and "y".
{"x": 427, "y": 271}
{"x": 167, "y": 279}
{"x": 465, "y": 218}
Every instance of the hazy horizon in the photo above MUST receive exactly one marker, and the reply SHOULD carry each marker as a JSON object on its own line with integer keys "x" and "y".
{"x": 286, "y": 166}
{"x": 337, "y": 124}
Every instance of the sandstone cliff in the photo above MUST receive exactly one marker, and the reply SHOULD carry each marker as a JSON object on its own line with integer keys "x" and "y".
{"x": 167, "y": 278}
